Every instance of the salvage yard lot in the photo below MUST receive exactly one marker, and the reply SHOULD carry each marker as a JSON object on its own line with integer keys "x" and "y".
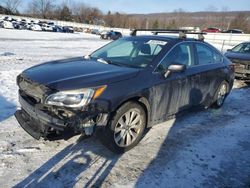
{"x": 209, "y": 148}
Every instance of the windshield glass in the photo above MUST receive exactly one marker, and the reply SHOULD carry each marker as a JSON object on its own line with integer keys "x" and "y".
{"x": 242, "y": 48}
{"x": 130, "y": 52}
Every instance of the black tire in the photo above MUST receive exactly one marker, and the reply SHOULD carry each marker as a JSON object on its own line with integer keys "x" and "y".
{"x": 110, "y": 132}
{"x": 221, "y": 97}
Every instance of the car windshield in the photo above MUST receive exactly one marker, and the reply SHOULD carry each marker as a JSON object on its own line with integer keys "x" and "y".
{"x": 130, "y": 52}
{"x": 242, "y": 48}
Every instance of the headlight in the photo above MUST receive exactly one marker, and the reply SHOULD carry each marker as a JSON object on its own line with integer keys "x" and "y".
{"x": 74, "y": 98}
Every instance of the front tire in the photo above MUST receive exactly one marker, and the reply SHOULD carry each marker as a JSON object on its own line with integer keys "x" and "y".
{"x": 125, "y": 129}
{"x": 221, "y": 95}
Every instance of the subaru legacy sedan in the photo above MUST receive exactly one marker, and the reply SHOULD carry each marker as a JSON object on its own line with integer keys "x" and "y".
{"x": 122, "y": 88}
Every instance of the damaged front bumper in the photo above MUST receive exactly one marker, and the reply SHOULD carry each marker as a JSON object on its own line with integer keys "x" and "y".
{"x": 242, "y": 69}
{"x": 39, "y": 123}
{"x": 242, "y": 73}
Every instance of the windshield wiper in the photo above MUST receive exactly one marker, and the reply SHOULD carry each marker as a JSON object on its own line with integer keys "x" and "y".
{"x": 108, "y": 61}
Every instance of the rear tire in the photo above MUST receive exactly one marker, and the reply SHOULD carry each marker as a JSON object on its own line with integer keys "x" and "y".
{"x": 125, "y": 129}
{"x": 221, "y": 95}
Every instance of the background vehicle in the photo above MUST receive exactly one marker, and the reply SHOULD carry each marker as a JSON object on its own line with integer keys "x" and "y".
{"x": 68, "y": 29}
{"x": 191, "y": 29}
{"x": 124, "y": 87}
{"x": 35, "y": 27}
{"x": 111, "y": 35}
{"x": 57, "y": 28}
{"x": 211, "y": 30}
{"x": 95, "y": 31}
{"x": 47, "y": 27}
{"x": 236, "y": 31}
{"x": 7, "y": 25}
{"x": 240, "y": 56}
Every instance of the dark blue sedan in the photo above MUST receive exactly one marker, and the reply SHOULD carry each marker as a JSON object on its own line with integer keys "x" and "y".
{"x": 123, "y": 88}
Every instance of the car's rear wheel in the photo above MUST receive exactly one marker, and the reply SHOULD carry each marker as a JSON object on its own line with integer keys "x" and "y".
{"x": 221, "y": 94}
{"x": 125, "y": 128}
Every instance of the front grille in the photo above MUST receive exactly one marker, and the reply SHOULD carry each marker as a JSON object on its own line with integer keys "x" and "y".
{"x": 30, "y": 90}
{"x": 33, "y": 101}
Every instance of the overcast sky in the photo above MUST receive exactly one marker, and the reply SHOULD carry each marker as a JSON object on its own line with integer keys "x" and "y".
{"x": 154, "y": 6}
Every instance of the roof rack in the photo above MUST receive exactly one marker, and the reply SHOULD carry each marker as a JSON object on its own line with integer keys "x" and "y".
{"x": 182, "y": 33}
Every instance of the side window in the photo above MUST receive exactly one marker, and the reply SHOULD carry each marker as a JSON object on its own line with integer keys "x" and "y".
{"x": 204, "y": 54}
{"x": 150, "y": 49}
{"x": 181, "y": 54}
{"x": 217, "y": 58}
{"x": 207, "y": 55}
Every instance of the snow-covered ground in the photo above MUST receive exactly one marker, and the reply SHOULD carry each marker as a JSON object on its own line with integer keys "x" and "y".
{"x": 209, "y": 148}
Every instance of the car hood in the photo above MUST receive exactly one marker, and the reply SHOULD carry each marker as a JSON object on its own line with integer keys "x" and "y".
{"x": 77, "y": 73}
{"x": 238, "y": 56}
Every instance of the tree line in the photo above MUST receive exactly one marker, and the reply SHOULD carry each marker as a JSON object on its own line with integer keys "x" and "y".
{"x": 82, "y": 13}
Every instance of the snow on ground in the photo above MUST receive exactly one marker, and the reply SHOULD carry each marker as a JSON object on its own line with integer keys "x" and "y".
{"x": 209, "y": 148}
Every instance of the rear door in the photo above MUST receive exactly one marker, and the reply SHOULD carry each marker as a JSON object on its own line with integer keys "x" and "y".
{"x": 211, "y": 70}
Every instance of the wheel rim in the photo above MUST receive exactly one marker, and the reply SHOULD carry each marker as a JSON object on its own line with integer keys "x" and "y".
{"x": 128, "y": 128}
{"x": 222, "y": 94}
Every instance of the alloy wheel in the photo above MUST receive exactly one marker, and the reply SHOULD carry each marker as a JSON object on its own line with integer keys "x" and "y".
{"x": 128, "y": 128}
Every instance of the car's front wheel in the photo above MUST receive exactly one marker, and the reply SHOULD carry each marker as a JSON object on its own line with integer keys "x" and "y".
{"x": 125, "y": 128}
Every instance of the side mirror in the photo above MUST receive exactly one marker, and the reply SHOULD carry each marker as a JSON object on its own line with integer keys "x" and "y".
{"x": 229, "y": 50}
{"x": 175, "y": 68}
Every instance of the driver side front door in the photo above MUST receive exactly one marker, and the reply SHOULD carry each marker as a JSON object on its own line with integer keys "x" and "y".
{"x": 172, "y": 94}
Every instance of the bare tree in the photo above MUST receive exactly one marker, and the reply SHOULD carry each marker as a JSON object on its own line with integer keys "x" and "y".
{"x": 240, "y": 22}
{"x": 12, "y": 5}
{"x": 42, "y": 7}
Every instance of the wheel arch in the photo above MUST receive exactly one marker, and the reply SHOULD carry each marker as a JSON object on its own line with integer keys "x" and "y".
{"x": 217, "y": 89}
{"x": 141, "y": 101}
